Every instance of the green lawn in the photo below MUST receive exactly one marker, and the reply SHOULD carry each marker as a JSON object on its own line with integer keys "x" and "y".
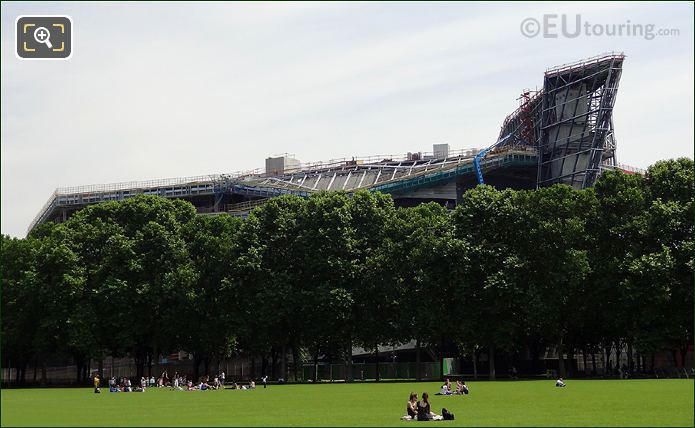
{"x": 522, "y": 403}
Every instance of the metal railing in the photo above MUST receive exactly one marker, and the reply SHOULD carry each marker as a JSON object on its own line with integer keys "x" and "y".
{"x": 584, "y": 62}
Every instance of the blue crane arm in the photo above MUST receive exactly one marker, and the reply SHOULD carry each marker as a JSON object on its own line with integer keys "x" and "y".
{"x": 481, "y": 155}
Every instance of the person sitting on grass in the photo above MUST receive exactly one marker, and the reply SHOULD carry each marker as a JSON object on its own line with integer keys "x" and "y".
{"x": 424, "y": 411}
{"x": 412, "y": 405}
{"x": 444, "y": 391}
{"x": 252, "y": 384}
{"x": 560, "y": 384}
{"x": 464, "y": 388}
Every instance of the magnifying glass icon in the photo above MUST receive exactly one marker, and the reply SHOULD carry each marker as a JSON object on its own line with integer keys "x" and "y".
{"x": 42, "y": 35}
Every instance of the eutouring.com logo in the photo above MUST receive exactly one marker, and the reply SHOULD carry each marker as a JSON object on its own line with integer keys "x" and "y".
{"x": 553, "y": 26}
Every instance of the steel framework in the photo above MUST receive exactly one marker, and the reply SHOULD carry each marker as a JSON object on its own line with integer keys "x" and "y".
{"x": 569, "y": 122}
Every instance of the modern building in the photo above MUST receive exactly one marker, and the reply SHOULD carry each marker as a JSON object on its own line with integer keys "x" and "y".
{"x": 562, "y": 133}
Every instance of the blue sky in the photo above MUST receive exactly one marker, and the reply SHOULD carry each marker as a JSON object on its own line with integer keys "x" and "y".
{"x": 158, "y": 90}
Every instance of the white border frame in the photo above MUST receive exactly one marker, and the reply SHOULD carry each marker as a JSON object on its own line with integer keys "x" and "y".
{"x": 72, "y": 37}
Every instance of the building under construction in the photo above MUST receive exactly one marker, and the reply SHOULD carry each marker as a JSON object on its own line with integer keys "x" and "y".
{"x": 562, "y": 133}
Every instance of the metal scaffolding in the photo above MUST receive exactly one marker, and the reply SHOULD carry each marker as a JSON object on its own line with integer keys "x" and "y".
{"x": 569, "y": 122}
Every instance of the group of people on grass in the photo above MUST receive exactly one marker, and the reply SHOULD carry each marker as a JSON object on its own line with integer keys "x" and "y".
{"x": 421, "y": 410}
{"x": 178, "y": 382}
{"x": 124, "y": 384}
{"x": 461, "y": 388}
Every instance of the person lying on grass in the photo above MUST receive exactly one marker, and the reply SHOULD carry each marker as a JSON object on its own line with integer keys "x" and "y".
{"x": 560, "y": 384}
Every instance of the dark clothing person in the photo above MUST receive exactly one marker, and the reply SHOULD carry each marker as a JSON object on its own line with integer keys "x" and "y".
{"x": 423, "y": 411}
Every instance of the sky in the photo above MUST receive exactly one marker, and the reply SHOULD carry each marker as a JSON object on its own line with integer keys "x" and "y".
{"x": 159, "y": 90}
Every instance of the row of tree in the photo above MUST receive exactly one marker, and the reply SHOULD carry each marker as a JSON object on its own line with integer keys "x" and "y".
{"x": 505, "y": 271}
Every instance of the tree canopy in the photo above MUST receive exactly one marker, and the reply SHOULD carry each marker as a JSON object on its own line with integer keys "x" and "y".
{"x": 504, "y": 271}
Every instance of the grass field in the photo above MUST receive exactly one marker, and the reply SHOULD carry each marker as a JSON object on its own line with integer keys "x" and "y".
{"x": 522, "y": 403}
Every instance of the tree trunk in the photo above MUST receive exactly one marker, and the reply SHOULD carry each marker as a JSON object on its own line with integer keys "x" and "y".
{"x": 651, "y": 365}
{"x": 264, "y": 365}
{"x": 78, "y": 364}
{"x": 618, "y": 349}
{"x": 418, "y": 360}
{"x": 274, "y": 355}
{"x": 561, "y": 358}
{"x": 348, "y": 355}
{"x": 16, "y": 373}
{"x": 100, "y": 367}
{"x": 24, "y": 372}
{"x": 295, "y": 361}
{"x": 196, "y": 364}
{"x": 475, "y": 364}
{"x": 139, "y": 362}
{"x": 376, "y": 357}
{"x": 584, "y": 360}
{"x": 206, "y": 363}
{"x": 684, "y": 352}
{"x": 441, "y": 362}
{"x": 593, "y": 364}
{"x": 283, "y": 363}
{"x": 43, "y": 371}
{"x": 571, "y": 366}
{"x": 491, "y": 362}
{"x": 535, "y": 360}
{"x": 253, "y": 366}
{"x": 316, "y": 365}
{"x": 630, "y": 362}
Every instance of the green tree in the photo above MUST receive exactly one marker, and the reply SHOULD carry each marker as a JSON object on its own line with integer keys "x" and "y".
{"x": 21, "y": 306}
{"x": 433, "y": 270}
{"x": 374, "y": 271}
{"x": 488, "y": 220}
{"x": 327, "y": 242}
{"x": 270, "y": 271}
{"x": 138, "y": 269}
{"x": 210, "y": 317}
{"x": 668, "y": 234}
{"x": 555, "y": 253}
{"x": 612, "y": 310}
